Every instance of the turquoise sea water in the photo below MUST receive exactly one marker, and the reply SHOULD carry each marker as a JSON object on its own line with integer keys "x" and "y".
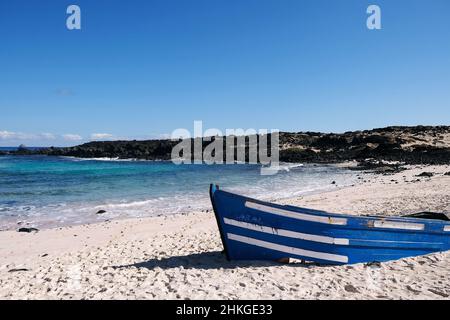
{"x": 53, "y": 191}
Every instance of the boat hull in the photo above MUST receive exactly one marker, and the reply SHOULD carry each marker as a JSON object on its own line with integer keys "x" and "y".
{"x": 257, "y": 230}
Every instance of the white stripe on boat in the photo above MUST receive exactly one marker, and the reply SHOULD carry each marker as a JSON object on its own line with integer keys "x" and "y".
{"x": 286, "y": 233}
{"x": 295, "y": 214}
{"x": 398, "y": 225}
{"x": 287, "y": 249}
{"x": 446, "y": 228}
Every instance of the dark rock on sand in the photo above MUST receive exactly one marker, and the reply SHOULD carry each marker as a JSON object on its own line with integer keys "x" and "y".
{"x": 28, "y": 230}
{"x": 378, "y": 167}
{"x": 413, "y": 290}
{"x": 373, "y": 264}
{"x": 439, "y": 293}
{"x": 351, "y": 288}
{"x": 426, "y": 174}
{"x": 447, "y": 174}
{"x": 18, "y": 270}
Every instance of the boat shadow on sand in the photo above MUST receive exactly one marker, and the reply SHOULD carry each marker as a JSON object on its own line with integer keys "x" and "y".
{"x": 208, "y": 260}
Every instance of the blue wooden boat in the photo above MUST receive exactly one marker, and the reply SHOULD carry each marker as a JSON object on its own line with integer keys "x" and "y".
{"x": 257, "y": 230}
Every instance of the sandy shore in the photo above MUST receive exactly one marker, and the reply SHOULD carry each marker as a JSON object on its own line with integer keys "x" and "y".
{"x": 178, "y": 257}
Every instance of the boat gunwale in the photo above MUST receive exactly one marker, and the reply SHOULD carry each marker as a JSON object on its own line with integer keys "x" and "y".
{"x": 320, "y": 213}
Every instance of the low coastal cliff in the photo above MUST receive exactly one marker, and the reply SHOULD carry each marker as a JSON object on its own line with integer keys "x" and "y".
{"x": 411, "y": 145}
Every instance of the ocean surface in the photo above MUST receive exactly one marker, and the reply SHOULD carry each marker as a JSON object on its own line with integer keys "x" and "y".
{"x": 16, "y": 148}
{"x": 47, "y": 191}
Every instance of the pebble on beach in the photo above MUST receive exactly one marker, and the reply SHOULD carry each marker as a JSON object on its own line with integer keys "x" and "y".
{"x": 28, "y": 230}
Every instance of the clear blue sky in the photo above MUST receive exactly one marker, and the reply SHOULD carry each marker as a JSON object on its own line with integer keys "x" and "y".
{"x": 140, "y": 69}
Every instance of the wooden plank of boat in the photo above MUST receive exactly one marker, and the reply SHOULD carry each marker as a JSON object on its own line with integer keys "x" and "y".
{"x": 254, "y": 230}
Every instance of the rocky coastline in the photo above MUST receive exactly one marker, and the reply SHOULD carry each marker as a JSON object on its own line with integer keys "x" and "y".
{"x": 370, "y": 148}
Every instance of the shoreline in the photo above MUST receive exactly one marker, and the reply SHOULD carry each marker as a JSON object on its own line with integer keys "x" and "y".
{"x": 62, "y": 213}
{"x": 179, "y": 256}
{"x": 408, "y": 144}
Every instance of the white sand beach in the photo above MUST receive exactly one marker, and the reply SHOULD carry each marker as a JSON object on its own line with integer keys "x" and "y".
{"x": 179, "y": 256}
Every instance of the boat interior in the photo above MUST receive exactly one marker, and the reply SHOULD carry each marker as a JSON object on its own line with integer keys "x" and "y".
{"x": 430, "y": 215}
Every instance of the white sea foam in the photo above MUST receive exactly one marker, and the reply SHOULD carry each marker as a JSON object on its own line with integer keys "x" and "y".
{"x": 183, "y": 190}
{"x": 100, "y": 159}
{"x": 132, "y": 204}
{"x": 115, "y": 159}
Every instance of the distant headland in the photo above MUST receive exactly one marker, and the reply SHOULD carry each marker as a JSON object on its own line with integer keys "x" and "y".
{"x": 408, "y": 145}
